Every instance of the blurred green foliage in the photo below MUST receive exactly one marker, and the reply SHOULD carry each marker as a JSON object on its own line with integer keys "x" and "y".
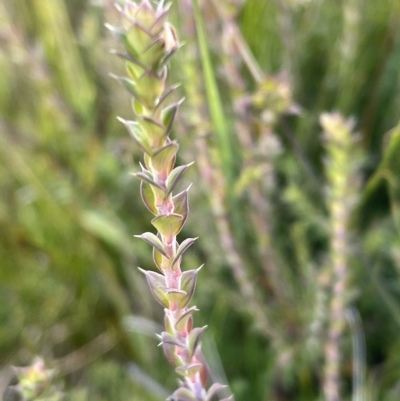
{"x": 69, "y": 287}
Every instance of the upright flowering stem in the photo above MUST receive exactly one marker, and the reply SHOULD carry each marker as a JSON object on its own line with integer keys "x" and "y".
{"x": 340, "y": 169}
{"x": 149, "y": 41}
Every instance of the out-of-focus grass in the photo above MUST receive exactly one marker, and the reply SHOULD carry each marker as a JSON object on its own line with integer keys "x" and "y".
{"x": 68, "y": 207}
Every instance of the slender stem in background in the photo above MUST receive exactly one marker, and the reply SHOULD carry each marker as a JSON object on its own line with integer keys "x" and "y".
{"x": 359, "y": 363}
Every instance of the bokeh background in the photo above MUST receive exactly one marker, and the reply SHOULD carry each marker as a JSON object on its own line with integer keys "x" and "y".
{"x": 69, "y": 288}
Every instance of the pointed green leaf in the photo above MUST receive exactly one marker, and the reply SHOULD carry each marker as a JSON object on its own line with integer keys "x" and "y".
{"x": 182, "y": 248}
{"x": 181, "y": 205}
{"x": 153, "y": 55}
{"x": 128, "y": 84}
{"x": 188, "y": 284}
{"x": 148, "y": 196}
{"x": 157, "y": 257}
{"x": 163, "y": 160}
{"x": 175, "y": 296}
{"x": 168, "y": 325}
{"x": 194, "y": 339}
{"x": 168, "y": 116}
{"x": 167, "y": 338}
{"x": 137, "y": 39}
{"x": 175, "y": 176}
{"x": 182, "y": 322}
{"x": 154, "y": 241}
{"x": 129, "y": 57}
{"x": 154, "y": 130}
{"x": 157, "y": 283}
{"x": 158, "y": 24}
{"x": 167, "y": 224}
{"x": 150, "y": 88}
{"x": 165, "y": 96}
{"x": 145, "y": 177}
{"x": 138, "y": 135}
{"x": 169, "y": 351}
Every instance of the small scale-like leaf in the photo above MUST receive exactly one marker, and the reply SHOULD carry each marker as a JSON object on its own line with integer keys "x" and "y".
{"x": 164, "y": 158}
{"x": 128, "y": 57}
{"x": 150, "y": 88}
{"x": 157, "y": 258}
{"x": 147, "y": 178}
{"x": 154, "y": 241}
{"x": 175, "y": 176}
{"x": 138, "y": 135}
{"x": 168, "y": 116}
{"x": 189, "y": 370}
{"x": 147, "y": 196}
{"x": 213, "y": 390}
{"x": 137, "y": 39}
{"x": 188, "y": 284}
{"x": 168, "y": 325}
{"x": 181, "y": 324}
{"x": 181, "y": 205}
{"x": 183, "y": 394}
{"x": 175, "y": 297}
{"x": 182, "y": 248}
{"x": 168, "y": 225}
{"x": 167, "y": 338}
{"x": 194, "y": 339}
{"x": 157, "y": 284}
{"x": 159, "y": 108}
{"x": 128, "y": 84}
{"x": 153, "y": 55}
{"x": 154, "y": 130}
{"x": 169, "y": 351}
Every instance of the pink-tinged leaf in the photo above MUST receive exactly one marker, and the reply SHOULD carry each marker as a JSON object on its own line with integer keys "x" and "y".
{"x": 154, "y": 130}
{"x": 189, "y": 370}
{"x": 148, "y": 196}
{"x": 163, "y": 160}
{"x": 188, "y": 284}
{"x": 168, "y": 225}
{"x": 158, "y": 23}
{"x": 214, "y": 390}
{"x": 204, "y": 373}
{"x": 182, "y": 248}
{"x": 138, "y": 135}
{"x": 169, "y": 351}
{"x": 182, "y": 323}
{"x": 154, "y": 241}
{"x": 183, "y": 394}
{"x": 175, "y": 176}
{"x": 194, "y": 339}
{"x": 156, "y": 283}
{"x": 167, "y": 338}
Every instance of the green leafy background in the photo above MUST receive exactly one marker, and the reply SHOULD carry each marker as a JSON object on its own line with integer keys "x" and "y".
{"x": 69, "y": 287}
